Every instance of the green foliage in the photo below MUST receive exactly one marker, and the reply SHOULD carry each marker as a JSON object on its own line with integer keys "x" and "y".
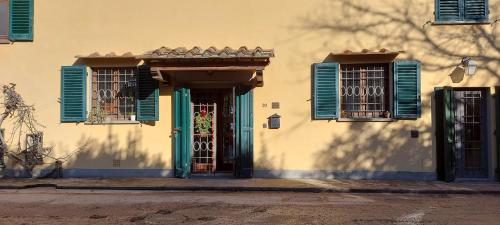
{"x": 97, "y": 115}
{"x": 203, "y": 123}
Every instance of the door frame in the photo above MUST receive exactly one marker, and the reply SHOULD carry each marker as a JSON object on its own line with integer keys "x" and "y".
{"x": 244, "y": 133}
{"x": 487, "y": 157}
{"x": 445, "y": 162}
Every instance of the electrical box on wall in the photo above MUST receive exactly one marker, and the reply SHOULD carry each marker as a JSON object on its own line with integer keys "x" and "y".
{"x": 414, "y": 133}
{"x": 274, "y": 121}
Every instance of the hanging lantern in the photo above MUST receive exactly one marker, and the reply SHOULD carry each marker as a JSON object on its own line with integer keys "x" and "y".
{"x": 469, "y": 65}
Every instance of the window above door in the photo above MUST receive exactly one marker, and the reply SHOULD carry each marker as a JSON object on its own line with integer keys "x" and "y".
{"x": 16, "y": 20}
{"x": 461, "y": 12}
{"x": 4, "y": 21}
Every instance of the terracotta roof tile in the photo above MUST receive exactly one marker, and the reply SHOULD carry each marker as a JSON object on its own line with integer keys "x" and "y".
{"x": 211, "y": 52}
{"x": 110, "y": 55}
{"x": 367, "y": 51}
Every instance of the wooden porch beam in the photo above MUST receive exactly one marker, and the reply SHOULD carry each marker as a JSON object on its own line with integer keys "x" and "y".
{"x": 209, "y": 68}
{"x": 158, "y": 75}
{"x": 258, "y": 80}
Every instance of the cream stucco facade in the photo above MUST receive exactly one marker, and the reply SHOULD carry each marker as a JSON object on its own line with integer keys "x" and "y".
{"x": 301, "y": 32}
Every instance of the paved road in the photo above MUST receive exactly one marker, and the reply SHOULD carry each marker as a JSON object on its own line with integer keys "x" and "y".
{"x": 50, "y": 206}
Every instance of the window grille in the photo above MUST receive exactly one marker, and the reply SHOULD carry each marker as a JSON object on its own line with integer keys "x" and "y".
{"x": 113, "y": 92}
{"x": 468, "y": 124}
{"x": 204, "y": 147}
{"x": 365, "y": 91}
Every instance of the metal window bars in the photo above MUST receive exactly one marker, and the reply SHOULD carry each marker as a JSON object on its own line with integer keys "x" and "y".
{"x": 204, "y": 139}
{"x": 113, "y": 92}
{"x": 468, "y": 121}
{"x": 364, "y": 91}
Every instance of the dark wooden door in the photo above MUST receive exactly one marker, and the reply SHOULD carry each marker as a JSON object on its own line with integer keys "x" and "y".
{"x": 497, "y": 117}
{"x": 226, "y": 134}
{"x": 470, "y": 136}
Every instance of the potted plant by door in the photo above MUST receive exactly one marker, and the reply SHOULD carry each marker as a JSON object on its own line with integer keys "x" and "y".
{"x": 131, "y": 116}
{"x": 203, "y": 123}
{"x": 387, "y": 114}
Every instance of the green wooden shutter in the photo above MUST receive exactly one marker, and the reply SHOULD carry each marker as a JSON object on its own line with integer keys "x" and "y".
{"x": 244, "y": 133}
{"x": 497, "y": 131}
{"x": 182, "y": 132}
{"x": 326, "y": 93}
{"x": 476, "y": 10}
{"x": 21, "y": 20}
{"x": 444, "y": 111}
{"x": 462, "y": 10}
{"x": 406, "y": 89}
{"x": 73, "y": 94}
{"x": 449, "y": 135}
{"x": 148, "y": 95}
{"x": 448, "y": 10}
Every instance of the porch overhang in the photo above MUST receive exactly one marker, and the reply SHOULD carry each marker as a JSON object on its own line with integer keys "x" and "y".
{"x": 165, "y": 61}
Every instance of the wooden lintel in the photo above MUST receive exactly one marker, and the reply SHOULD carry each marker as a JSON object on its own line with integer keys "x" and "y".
{"x": 158, "y": 75}
{"x": 258, "y": 80}
{"x": 209, "y": 68}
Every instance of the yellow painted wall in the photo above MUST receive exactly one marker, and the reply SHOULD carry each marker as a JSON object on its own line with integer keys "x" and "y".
{"x": 301, "y": 32}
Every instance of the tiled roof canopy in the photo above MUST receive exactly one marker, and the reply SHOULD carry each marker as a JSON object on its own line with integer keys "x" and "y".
{"x": 209, "y": 53}
{"x": 368, "y": 52}
{"x": 111, "y": 55}
{"x": 383, "y": 55}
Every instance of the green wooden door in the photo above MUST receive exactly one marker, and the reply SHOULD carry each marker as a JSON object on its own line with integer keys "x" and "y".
{"x": 244, "y": 133}
{"x": 182, "y": 132}
{"x": 449, "y": 135}
{"x": 445, "y": 133}
{"x": 497, "y": 133}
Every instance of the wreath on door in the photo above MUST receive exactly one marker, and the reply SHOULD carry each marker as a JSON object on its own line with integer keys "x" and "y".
{"x": 203, "y": 122}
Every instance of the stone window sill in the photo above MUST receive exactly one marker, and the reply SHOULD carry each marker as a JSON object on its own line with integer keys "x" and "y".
{"x": 4, "y": 40}
{"x": 445, "y": 23}
{"x": 119, "y": 122}
{"x": 366, "y": 120}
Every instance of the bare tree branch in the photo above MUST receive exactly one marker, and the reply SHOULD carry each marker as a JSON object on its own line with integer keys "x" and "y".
{"x": 399, "y": 25}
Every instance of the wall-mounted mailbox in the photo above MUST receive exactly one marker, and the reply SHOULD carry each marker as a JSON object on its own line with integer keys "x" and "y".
{"x": 274, "y": 121}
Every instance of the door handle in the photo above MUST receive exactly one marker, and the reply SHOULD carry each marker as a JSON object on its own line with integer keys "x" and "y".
{"x": 175, "y": 130}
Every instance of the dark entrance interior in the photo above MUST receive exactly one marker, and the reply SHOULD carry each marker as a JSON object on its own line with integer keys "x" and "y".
{"x": 213, "y": 137}
{"x": 461, "y": 133}
{"x": 470, "y": 133}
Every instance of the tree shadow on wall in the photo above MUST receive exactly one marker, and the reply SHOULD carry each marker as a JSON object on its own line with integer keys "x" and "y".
{"x": 400, "y": 26}
{"x": 406, "y": 25}
{"x": 109, "y": 153}
{"x": 379, "y": 146}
